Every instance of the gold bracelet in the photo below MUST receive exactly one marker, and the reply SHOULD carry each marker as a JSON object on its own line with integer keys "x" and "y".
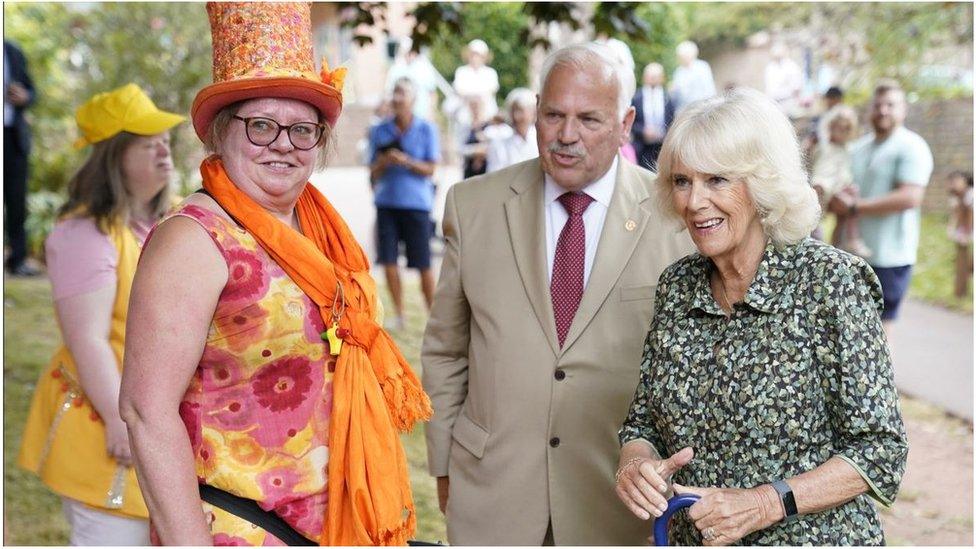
{"x": 628, "y": 463}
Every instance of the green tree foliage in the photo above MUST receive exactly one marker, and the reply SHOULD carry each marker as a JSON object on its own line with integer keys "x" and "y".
{"x": 76, "y": 51}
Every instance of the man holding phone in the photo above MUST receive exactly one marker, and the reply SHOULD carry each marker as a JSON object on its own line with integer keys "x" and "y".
{"x": 405, "y": 150}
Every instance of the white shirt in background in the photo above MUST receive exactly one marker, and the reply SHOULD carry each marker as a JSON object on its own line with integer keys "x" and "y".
{"x": 653, "y": 108}
{"x": 784, "y": 81}
{"x": 556, "y": 216}
{"x": 511, "y": 149}
{"x": 481, "y": 82}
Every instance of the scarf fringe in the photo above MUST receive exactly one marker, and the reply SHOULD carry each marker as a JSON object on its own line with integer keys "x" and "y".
{"x": 407, "y": 402}
{"x": 400, "y": 534}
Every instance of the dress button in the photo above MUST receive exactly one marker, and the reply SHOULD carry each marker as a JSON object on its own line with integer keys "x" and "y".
{"x": 560, "y": 375}
{"x": 554, "y": 442}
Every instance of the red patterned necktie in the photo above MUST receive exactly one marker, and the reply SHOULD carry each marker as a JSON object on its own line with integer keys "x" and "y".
{"x": 566, "y": 288}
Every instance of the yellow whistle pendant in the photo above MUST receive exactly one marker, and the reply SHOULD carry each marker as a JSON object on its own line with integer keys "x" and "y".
{"x": 332, "y": 336}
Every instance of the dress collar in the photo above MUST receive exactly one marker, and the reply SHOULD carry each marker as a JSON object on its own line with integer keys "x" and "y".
{"x": 768, "y": 291}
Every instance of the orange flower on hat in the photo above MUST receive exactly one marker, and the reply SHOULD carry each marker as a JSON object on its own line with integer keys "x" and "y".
{"x": 335, "y": 78}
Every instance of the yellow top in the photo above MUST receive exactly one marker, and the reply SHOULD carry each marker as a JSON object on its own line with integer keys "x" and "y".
{"x": 64, "y": 438}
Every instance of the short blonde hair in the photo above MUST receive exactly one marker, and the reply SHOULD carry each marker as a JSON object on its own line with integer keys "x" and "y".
{"x": 742, "y": 134}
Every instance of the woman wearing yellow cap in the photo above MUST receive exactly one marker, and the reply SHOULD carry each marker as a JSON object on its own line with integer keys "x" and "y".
{"x": 75, "y": 439}
{"x": 279, "y": 414}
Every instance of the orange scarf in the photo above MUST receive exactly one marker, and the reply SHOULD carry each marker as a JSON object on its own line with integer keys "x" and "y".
{"x": 376, "y": 394}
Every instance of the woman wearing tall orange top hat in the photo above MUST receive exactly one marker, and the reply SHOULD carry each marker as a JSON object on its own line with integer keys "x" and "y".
{"x": 74, "y": 439}
{"x": 264, "y": 400}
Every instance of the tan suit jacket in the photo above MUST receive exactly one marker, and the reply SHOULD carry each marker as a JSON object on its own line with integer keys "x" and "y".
{"x": 525, "y": 430}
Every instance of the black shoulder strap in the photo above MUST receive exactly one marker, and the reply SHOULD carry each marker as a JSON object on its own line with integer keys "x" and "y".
{"x": 249, "y": 510}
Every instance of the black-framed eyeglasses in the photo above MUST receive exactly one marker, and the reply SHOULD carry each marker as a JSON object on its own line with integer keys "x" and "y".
{"x": 264, "y": 131}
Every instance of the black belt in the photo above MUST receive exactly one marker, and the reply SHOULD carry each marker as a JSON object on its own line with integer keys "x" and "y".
{"x": 249, "y": 510}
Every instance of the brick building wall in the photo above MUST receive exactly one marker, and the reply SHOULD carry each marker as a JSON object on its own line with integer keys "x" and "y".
{"x": 947, "y": 127}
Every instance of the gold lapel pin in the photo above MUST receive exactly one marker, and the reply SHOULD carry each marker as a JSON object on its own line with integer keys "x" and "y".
{"x": 630, "y": 225}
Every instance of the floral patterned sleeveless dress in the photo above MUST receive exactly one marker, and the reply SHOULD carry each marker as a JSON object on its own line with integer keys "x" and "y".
{"x": 257, "y": 409}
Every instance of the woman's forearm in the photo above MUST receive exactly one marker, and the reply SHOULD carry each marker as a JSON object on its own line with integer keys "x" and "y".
{"x": 832, "y": 484}
{"x": 164, "y": 464}
{"x": 98, "y": 374}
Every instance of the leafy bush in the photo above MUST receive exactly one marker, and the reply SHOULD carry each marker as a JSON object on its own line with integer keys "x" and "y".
{"x": 43, "y": 209}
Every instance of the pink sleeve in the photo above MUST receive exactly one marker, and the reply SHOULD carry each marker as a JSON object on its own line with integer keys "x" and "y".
{"x": 80, "y": 259}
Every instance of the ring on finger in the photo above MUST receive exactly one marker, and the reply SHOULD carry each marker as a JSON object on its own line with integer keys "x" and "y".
{"x": 708, "y": 533}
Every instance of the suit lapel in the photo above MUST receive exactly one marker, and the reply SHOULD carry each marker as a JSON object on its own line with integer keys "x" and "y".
{"x": 527, "y": 231}
{"x": 617, "y": 244}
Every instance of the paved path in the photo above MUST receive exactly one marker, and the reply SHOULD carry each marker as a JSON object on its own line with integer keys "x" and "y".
{"x": 932, "y": 353}
{"x": 932, "y": 348}
{"x": 348, "y": 190}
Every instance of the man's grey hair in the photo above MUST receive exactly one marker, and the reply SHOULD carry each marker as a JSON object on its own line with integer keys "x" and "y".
{"x": 688, "y": 48}
{"x": 523, "y": 97}
{"x": 586, "y": 55}
{"x": 407, "y": 85}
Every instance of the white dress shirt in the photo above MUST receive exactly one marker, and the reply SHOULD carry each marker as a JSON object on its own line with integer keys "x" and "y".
{"x": 653, "y": 105}
{"x": 481, "y": 82}
{"x": 511, "y": 149}
{"x": 556, "y": 216}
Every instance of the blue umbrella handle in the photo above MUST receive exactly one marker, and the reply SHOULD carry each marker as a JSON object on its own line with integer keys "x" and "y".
{"x": 675, "y": 504}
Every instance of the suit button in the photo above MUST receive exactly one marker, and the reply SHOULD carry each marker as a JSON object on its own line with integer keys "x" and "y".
{"x": 554, "y": 442}
{"x": 560, "y": 375}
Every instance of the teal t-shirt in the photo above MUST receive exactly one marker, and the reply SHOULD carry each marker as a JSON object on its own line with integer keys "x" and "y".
{"x": 877, "y": 169}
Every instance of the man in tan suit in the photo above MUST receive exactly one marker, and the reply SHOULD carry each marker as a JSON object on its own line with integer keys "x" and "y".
{"x": 532, "y": 348}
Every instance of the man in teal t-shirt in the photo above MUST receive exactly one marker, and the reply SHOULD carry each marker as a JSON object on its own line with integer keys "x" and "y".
{"x": 891, "y": 167}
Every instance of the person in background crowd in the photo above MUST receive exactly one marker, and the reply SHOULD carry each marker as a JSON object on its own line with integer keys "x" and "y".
{"x": 268, "y": 424}
{"x": 818, "y": 132}
{"x": 783, "y": 79}
{"x": 655, "y": 112}
{"x": 418, "y": 68}
{"x": 692, "y": 79}
{"x": 530, "y": 354}
{"x": 761, "y": 311}
{"x": 475, "y": 150}
{"x": 831, "y": 173}
{"x": 18, "y": 95}
{"x": 620, "y": 49}
{"x": 75, "y": 439}
{"x": 891, "y": 167}
{"x": 476, "y": 79}
{"x": 520, "y": 144}
{"x": 960, "y": 186}
{"x": 405, "y": 152}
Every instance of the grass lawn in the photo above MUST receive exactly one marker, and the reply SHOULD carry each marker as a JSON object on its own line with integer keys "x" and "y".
{"x": 933, "y": 277}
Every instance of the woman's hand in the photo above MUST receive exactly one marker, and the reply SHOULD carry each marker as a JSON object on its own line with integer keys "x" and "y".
{"x": 726, "y": 515}
{"x": 642, "y": 482}
{"x": 117, "y": 441}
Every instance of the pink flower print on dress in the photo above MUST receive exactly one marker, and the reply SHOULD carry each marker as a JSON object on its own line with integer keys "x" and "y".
{"x": 219, "y": 368}
{"x": 284, "y": 384}
{"x": 240, "y": 329}
{"x": 246, "y": 276}
{"x": 232, "y": 410}
{"x": 224, "y": 540}
{"x": 305, "y": 514}
{"x": 277, "y": 485}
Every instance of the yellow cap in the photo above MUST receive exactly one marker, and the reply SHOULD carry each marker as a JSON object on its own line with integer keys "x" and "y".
{"x": 126, "y": 109}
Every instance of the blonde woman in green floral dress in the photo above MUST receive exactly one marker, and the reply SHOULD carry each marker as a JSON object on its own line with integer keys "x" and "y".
{"x": 766, "y": 385}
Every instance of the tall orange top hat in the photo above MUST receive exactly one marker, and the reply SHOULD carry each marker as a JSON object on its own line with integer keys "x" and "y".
{"x": 264, "y": 49}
